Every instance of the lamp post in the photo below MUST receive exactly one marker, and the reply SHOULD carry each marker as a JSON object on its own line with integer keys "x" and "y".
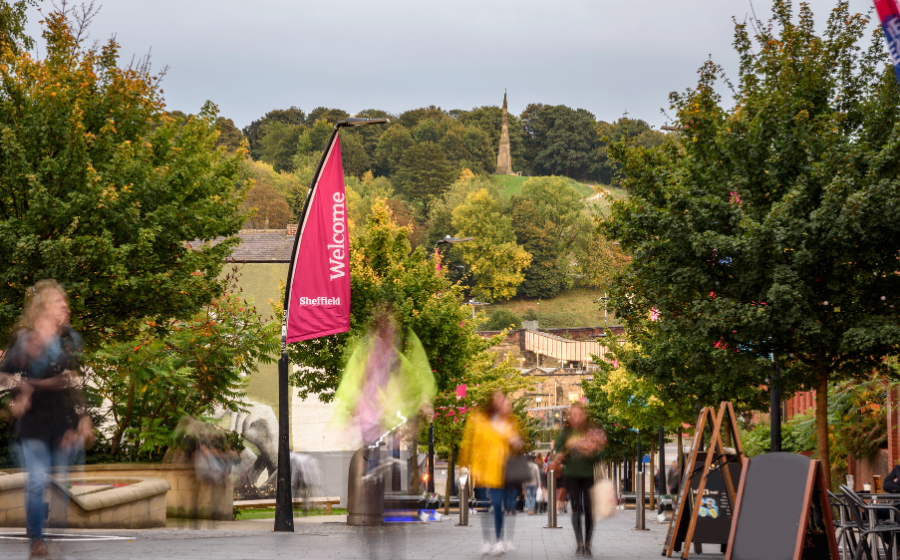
{"x": 284, "y": 513}
{"x": 448, "y": 240}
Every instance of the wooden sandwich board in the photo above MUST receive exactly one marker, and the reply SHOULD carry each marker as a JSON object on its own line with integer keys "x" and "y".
{"x": 705, "y": 503}
{"x": 782, "y": 511}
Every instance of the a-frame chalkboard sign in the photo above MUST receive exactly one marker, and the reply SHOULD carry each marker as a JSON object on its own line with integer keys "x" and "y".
{"x": 782, "y": 511}
{"x": 707, "y": 495}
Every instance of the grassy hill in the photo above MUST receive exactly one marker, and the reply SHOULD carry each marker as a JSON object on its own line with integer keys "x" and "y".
{"x": 511, "y": 184}
{"x": 570, "y": 308}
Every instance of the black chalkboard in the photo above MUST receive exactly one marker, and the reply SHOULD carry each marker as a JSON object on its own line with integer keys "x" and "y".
{"x": 782, "y": 511}
{"x": 713, "y": 523}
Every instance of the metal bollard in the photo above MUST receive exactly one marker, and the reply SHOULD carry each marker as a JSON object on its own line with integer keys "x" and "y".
{"x": 639, "y": 501}
{"x": 551, "y": 500}
{"x": 463, "y": 505}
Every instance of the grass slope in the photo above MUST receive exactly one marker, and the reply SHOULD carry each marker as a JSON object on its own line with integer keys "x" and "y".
{"x": 510, "y": 185}
{"x": 570, "y": 308}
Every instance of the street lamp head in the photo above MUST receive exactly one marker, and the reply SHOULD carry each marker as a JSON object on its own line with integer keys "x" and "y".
{"x": 448, "y": 239}
{"x": 359, "y": 121}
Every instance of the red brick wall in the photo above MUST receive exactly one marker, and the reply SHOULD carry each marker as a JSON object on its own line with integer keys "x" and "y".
{"x": 799, "y": 403}
{"x": 863, "y": 470}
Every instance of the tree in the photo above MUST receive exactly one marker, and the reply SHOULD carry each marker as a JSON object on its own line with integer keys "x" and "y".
{"x": 288, "y": 185}
{"x": 12, "y": 25}
{"x": 331, "y": 116}
{"x": 384, "y": 271}
{"x": 493, "y": 258}
{"x": 151, "y": 382}
{"x": 634, "y": 131}
{"x": 391, "y": 147}
{"x": 315, "y": 137}
{"x": 768, "y": 227}
{"x": 428, "y": 131}
{"x": 121, "y": 212}
{"x": 411, "y": 119}
{"x": 255, "y": 131}
{"x": 501, "y": 319}
{"x": 266, "y": 208}
{"x": 353, "y": 155}
{"x": 551, "y": 223}
{"x": 229, "y": 135}
{"x": 279, "y": 145}
{"x": 424, "y": 175}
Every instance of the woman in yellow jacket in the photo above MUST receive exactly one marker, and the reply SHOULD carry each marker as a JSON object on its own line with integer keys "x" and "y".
{"x": 489, "y": 436}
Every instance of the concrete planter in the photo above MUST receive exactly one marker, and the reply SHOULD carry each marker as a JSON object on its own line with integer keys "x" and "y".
{"x": 91, "y": 503}
{"x": 187, "y": 496}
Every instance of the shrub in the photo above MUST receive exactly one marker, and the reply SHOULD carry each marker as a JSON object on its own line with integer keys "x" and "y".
{"x": 500, "y": 319}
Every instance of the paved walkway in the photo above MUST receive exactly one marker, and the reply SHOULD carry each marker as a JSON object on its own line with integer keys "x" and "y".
{"x": 326, "y": 538}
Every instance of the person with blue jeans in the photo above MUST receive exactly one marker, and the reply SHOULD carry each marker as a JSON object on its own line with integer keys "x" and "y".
{"x": 40, "y": 366}
{"x": 531, "y": 488}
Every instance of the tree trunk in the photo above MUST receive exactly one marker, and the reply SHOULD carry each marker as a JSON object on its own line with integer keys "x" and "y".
{"x": 822, "y": 447}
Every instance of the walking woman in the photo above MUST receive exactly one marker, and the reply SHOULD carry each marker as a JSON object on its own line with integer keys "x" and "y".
{"x": 40, "y": 365}
{"x": 578, "y": 448}
{"x": 489, "y": 437}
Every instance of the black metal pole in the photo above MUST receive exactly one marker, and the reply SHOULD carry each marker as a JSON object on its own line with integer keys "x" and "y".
{"x": 775, "y": 411}
{"x": 661, "y": 487}
{"x": 284, "y": 511}
{"x": 431, "y": 458}
{"x": 640, "y": 454}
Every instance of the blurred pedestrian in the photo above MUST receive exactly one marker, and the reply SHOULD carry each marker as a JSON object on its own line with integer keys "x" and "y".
{"x": 578, "y": 448}
{"x": 531, "y": 487}
{"x": 489, "y": 437}
{"x": 41, "y": 364}
{"x": 673, "y": 481}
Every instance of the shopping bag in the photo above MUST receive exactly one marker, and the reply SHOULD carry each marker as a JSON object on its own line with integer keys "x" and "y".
{"x": 603, "y": 494}
{"x": 603, "y": 498}
{"x": 539, "y": 495}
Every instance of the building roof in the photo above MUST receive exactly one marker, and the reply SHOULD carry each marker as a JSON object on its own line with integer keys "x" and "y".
{"x": 262, "y": 245}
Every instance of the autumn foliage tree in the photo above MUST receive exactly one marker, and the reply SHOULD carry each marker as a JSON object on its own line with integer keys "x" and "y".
{"x": 103, "y": 192}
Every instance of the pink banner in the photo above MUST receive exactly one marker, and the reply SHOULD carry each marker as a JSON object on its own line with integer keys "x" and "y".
{"x": 320, "y": 286}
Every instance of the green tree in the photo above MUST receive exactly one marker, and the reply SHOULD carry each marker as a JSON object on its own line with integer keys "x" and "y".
{"x": 424, "y": 175}
{"x": 634, "y": 131}
{"x": 551, "y": 223}
{"x": 411, "y": 119}
{"x": 768, "y": 226}
{"x": 229, "y": 135}
{"x": 256, "y": 130}
{"x": 315, "y": 137}
{"x": 385, "y": 271}
{"x": 493, "y": 258}
{"x": 428, "y": 131}
{"x": 112, "y": 213}
{"x": 391, "y": 147}
{"x": 279, "y": 145}
{"x": 12, "y": 24}
{"x": 331, "y": 116}
{"x": 501, "y": 319}
{"x": 353, "y": 155}
{"x": 151, "y": 382}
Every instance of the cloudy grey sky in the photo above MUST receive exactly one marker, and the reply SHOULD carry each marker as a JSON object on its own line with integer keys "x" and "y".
{"x": 606, "y": 56}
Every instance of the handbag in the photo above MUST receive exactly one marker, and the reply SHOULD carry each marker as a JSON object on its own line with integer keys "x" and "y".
{"x": 517, "y": 470}
{"x": 539, "y": 495}
{"x": 603, "y": 495}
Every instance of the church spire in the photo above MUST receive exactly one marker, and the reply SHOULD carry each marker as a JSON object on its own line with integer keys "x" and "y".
{"x": 504, "y": 159}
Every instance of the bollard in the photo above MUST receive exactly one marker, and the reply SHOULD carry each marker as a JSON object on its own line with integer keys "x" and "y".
{"x": 463, "y": 505}
{"x": 639, "y": 501}
{"x": 551, "y": 500}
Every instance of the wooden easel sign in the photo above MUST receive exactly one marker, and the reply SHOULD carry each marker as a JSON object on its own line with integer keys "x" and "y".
{"x": 782, "y": 511}
{"x": 704, "y": 510}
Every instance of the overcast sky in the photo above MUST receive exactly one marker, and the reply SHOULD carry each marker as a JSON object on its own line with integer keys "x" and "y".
{"x": 606, "y": 56}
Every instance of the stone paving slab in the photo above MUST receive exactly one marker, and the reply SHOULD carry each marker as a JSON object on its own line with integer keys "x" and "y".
{"x": 614, "y": 539}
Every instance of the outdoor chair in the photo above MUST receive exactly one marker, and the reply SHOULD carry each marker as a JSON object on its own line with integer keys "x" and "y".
{"x": 845, "y": 527}
{"x": 884, "y": 530}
